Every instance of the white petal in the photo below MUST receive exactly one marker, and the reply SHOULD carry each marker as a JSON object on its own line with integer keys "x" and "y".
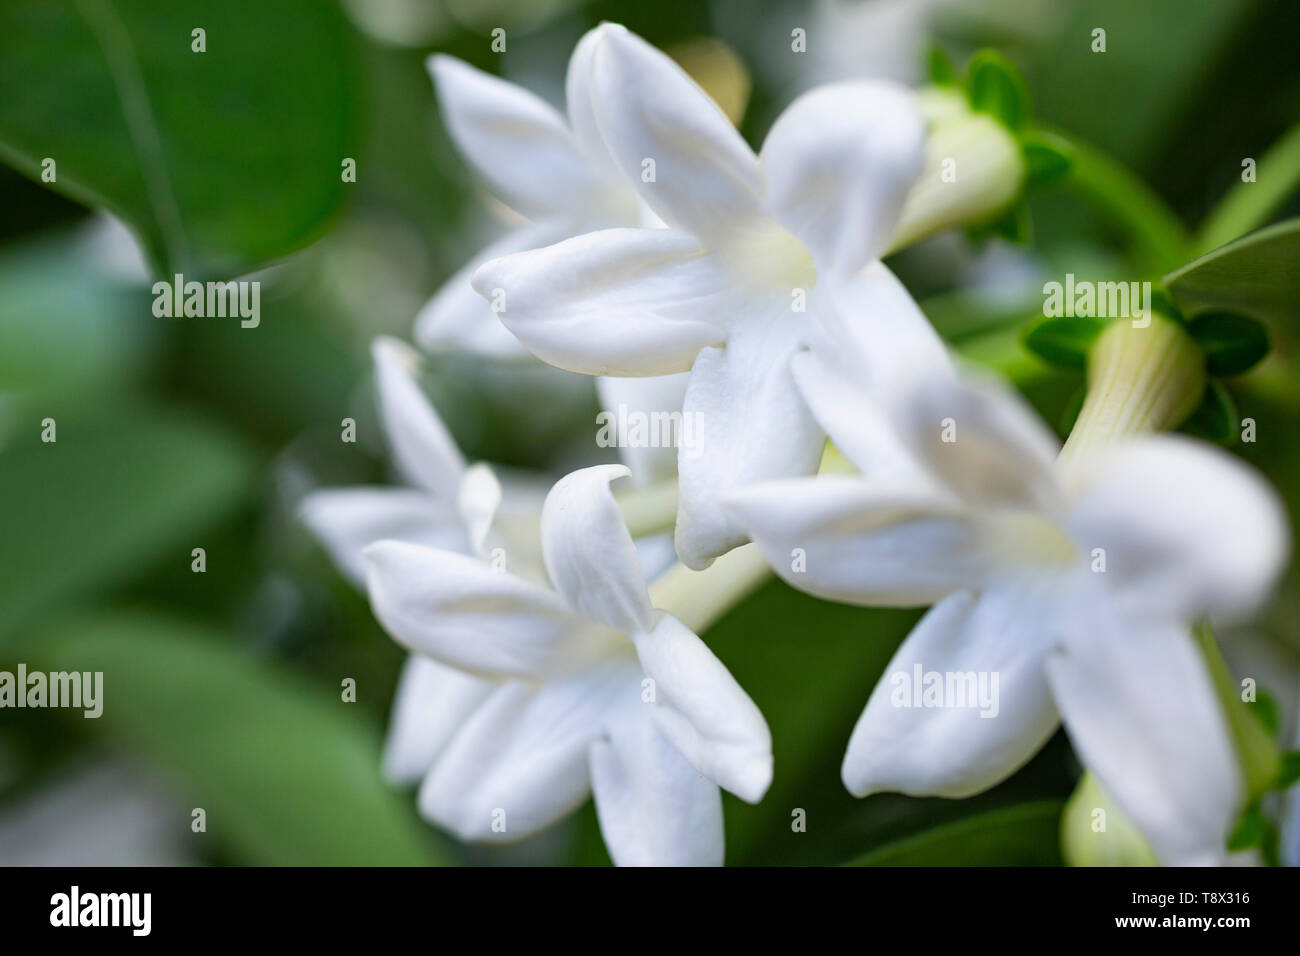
{"x": 868, "y": 342}
{"x": 706, "y": 179}
{"x": 869, "y": 327}
{"x": 460, "y": 611}
{"x": 1187, "y": 528}
{"x": 582, "y": 115}
{"x": 515, "y": 141}
{"x": 751, "y": 426}
{"x": 347, "y": 520}
{"x": 654, "y": 808}
{"x": 589, "y": 553}
{"x": 658, "y": 398}
{"x": 839, "y": 162}
{"x": 614, "y": 302}
{"x": 953, "y": 750}
{"x": 431, "y": 703}
{"x": 983, "y": 441}
{"x": 423, "y": 450}
{"x": 704, "y": 713}
{"x": 457, "y": 318}
{"x": 846, "y": 539}
{"x": 477, "y": 504}
{"x": 859, "y": 421}
{"x": 1142, "y": 715}
{"x": 520, "y": 761}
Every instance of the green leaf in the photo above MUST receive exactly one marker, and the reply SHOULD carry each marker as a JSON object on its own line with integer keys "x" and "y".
{"x": 287, "y": 774}
{"x": 994, "y": 86}
{"x": 1264, "y": 708}
{"x": 1250, "y": 831}
{"x": 1233, "y": 343}
{"x": 1290, "y": 772}
{"x": 939, "y": 67}
{"x": 59, "y": 338}
{"x": 220, "y": 160}
{"x": 116, "y": 491}
{"x": 1048, "y": 159}
{"x": 1064, "y": 341}
{"x": 1023, "y": 835}
{"x": 1215, "y": 419}
{"x": 1255, "y": 275}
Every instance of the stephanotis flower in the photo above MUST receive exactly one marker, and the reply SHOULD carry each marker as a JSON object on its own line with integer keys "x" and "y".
{"x": 444, "y": 504}
{"x": 1076, "y": 589}
{"x": 598, "y": 691}
{"x": 552, "y": 172}
{"x": 556, "y": 176}
{"x": 753, "y": 243}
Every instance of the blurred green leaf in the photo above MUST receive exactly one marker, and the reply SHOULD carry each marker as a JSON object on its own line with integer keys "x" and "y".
{"x": 1157, "y": 55}
{"x": 287, "y": 775}
{"x": 220, "y": 160}
{"x": 1048, "y": 159}
{"x": 1290, "y": 772}
{"x": 1255, "y": 275}
{"x": 68, "y": 329}
{"x": 116, "y": 491}
{"x": 939, "y": 67}
{"x": 1250, "y": 202}
{"x": 1023, "y": 835}
{"x": 1233, "y": 343}
{"x": 1250, "y": 831}
{"x": 1064, "y": 341}
{"x": 994, "y": 86}
{"x": 1215, "y": 419}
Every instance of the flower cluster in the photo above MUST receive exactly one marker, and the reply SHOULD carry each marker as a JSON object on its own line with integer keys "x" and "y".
{"x": 663, "y": 255}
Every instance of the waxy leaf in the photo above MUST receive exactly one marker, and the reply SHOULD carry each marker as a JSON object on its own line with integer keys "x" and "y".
{"x": 222, "y": 148}
{"x": 1256, "y": 275}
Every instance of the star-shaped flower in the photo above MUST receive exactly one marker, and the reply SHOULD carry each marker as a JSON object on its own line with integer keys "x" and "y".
{"x": 1071, "y": 594}
{"x": 444, "y": 504}
{"x": 553, "y": 172}
{"x": 754, "y": 242}
{"x": 599, "y": 692}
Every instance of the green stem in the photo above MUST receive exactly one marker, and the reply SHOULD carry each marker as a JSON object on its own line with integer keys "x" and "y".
{"x": 1159, "y": 235}
{"x": 1260, "y": 760}
{"x": 651, "y": 509}
{"x": 1247, "y": 206}
{"x": 699, "y": 598}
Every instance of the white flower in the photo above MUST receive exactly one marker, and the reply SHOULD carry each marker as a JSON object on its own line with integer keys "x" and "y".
{"x": 553, "y": 172}
{"x": 1012, "y": 550}
{"x": 752, "y": 241}
{"x": 559, "y": 179}
{"x": 445, "y": 505}
{"x": 599, "y": 691}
